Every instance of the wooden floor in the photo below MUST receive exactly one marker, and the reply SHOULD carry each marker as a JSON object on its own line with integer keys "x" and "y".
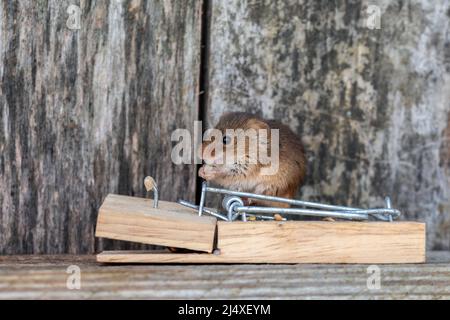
{"x": 45, "y": 277}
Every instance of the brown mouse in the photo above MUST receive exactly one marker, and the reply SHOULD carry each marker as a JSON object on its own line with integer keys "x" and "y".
{"x": 245, "y": 174}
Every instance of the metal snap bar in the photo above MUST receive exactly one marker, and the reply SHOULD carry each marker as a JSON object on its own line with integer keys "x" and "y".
{"x": 234, "y": 205}
{"x": 206, "y": 210}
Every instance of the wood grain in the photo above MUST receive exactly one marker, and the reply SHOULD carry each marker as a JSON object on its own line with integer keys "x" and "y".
{"x": 300, "y": 242}
{"x": 322, "y": 242}
{"x": 88, "y": 112}
{"x": 45, "y": 277}
{"x": 156, "y": 257}
{"x": 171, "y": 224}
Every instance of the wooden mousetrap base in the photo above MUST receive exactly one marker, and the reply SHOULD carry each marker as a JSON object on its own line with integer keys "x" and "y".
{"x": 293, "y": 242}
{"x": 171, "y": 224}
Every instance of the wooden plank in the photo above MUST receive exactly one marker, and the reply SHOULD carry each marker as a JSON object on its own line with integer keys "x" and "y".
{"x": 164, "y": 257}
{"x": 171, "y": 224}
{"x": 362, "y": 116}
{"x": 300, "y": 242}
{"x": 157, "y": 257}
{"x": 322, "y": 242}
{"x": 45, "y": 277}
{"x": 90, "y": 111}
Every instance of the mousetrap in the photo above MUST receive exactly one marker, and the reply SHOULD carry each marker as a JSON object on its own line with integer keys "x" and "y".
{"x": 242, "y": 233}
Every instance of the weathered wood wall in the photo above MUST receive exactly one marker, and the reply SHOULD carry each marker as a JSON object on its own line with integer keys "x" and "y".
{"x": 90, "y": 111}
{"x": 372, "y": 106}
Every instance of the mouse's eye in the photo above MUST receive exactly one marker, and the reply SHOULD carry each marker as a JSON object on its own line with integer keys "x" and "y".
{"x": 226, "y": 140}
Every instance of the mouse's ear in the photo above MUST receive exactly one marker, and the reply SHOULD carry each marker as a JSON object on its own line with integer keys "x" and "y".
{"x": 224, "y": 118}
{"x": 257, "y": 124}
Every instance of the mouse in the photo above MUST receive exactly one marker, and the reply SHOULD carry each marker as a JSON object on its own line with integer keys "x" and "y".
{"x": 245, "y": 173}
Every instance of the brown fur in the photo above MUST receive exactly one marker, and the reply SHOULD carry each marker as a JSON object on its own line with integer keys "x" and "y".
{"x": 246, "y": 177}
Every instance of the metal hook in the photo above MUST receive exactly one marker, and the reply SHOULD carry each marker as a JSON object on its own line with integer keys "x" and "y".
{"x": 387, "y": 200}
{"x": 150, "y": 184}
{"x": 202, "y": 198}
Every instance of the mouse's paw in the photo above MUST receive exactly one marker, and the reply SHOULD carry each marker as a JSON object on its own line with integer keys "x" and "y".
{"x": 207, "y": 173}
